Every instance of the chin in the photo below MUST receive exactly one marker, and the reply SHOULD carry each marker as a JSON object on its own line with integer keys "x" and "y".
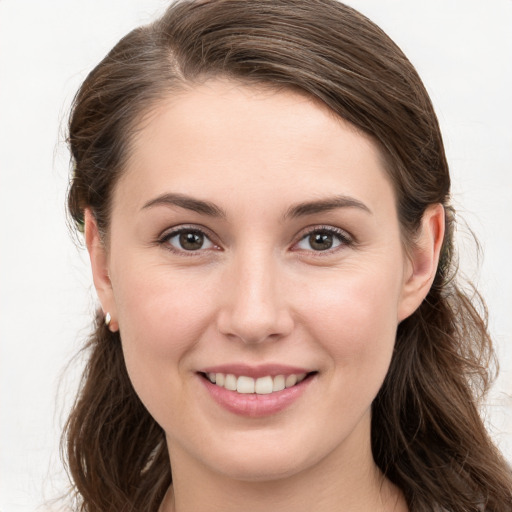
{"x": 260, "y": 469}
{"x": 259, "y": 460}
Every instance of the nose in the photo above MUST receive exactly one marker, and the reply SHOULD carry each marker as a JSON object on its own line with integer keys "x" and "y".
{"x": 254, "y": 303}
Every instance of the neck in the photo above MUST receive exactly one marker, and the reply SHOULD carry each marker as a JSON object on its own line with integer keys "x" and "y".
{"x": 350, "y": 483}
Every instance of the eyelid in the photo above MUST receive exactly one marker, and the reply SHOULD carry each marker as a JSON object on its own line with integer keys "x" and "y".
{"x": 346, "y": 238}
{"x": 169, "y": 233}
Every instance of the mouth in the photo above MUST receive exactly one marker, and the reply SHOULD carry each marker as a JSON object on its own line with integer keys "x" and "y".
{"x": 264, "y": 385}
{"x": 256, "y": 391}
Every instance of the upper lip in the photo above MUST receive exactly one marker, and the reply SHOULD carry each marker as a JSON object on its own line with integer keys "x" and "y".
{"x": 255, "y": 371}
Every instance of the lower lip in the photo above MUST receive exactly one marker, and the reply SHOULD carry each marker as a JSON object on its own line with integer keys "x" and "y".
{"x": 252, "y": 404}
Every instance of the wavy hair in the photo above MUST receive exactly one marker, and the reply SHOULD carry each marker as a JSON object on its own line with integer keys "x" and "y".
{"x": 427, "y": 434}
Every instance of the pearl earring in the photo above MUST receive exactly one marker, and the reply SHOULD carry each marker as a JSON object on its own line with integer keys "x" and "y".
{"x": 108, "y": 319}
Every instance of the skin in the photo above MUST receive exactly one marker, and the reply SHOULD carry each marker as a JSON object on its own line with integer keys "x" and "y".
{"x": 258, "y": 292}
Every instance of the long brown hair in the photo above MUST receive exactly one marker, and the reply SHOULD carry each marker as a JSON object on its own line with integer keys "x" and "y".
{"x": 427, "y": 435}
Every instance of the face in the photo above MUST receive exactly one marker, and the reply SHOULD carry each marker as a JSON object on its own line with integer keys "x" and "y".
{"x": 254, "y": 242}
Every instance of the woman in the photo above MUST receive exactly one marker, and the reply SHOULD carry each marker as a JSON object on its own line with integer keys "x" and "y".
{"x": 265, "y": 200}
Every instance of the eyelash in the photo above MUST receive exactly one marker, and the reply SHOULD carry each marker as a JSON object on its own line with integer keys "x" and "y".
{"x": 344, "y": 239}
{"x": 164, "y": 240}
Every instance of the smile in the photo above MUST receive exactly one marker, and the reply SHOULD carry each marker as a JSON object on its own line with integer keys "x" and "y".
{"x": 262, "y": 395}
{"x": 261, "y": 386}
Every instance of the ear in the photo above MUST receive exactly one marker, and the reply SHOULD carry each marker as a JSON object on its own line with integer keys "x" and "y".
{"x": 423, "y": 259}
{"x": 100, "y": 268}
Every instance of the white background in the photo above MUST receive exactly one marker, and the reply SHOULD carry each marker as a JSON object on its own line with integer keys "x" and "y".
{"x": 463, "y": 51}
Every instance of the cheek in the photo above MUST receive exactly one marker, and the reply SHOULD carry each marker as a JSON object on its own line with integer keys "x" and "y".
{"x": 355, "y": 318}
{"x": 161, "y": 319}
{"x": 159, "y": 312}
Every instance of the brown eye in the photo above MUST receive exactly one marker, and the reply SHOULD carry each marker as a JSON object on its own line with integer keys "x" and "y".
{"x": 191, "y": 241}
{"x": 188, "y": 240}
{"x": 321, "y": 241}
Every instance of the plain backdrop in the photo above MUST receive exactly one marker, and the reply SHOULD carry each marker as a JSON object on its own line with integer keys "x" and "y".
{"x": 463, "y": 51}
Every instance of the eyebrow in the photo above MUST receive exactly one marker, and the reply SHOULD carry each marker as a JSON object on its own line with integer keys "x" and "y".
{"x": 298, "y": 210}
{"x": 325, "y": 205}
{"x": 187, "y": 202}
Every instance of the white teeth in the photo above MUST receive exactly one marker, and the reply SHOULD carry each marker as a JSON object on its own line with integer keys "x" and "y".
{"x": 245, "y": 385}
{"x": 290, "y": 381}
{"x": 230, "y": 382}
{"x": 279, "y": 383}
{"x": 261, "y": 386}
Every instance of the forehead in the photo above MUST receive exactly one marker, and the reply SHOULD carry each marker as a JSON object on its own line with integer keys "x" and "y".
{"x": 222, "y": 137}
